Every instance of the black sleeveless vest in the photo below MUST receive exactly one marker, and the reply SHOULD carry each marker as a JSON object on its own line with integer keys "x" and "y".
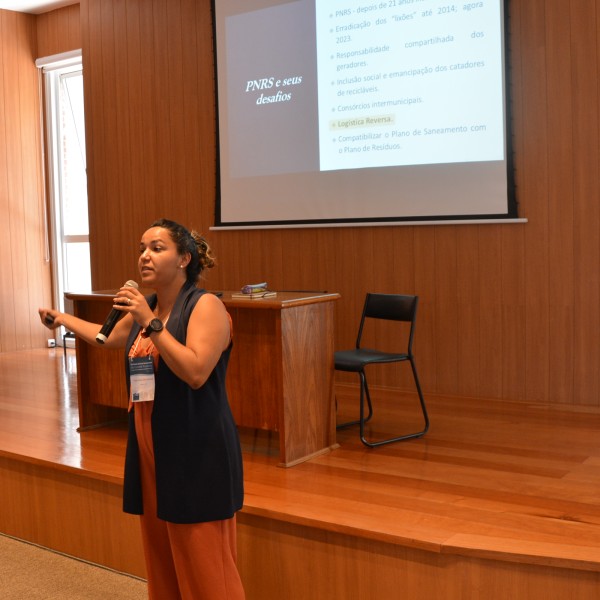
{"x": 199, "y": 475}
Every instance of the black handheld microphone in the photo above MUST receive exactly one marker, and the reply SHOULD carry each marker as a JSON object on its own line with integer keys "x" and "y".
{"x": 112, "y": 318}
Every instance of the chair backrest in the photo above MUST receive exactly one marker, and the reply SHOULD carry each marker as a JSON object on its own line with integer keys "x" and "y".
{"x": 392, "y": 307}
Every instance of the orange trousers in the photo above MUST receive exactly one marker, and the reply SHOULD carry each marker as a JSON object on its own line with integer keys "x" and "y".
{"x": 184, "y": 562}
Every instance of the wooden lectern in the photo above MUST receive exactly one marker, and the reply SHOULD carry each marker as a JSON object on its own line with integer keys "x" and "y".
{"x": 280, "y": 375}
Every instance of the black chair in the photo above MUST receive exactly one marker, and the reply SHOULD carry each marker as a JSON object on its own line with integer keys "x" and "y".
{"x": 391, "y": 307}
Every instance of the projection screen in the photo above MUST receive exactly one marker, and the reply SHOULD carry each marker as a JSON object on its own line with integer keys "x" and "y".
{"x": 361, "y": 112}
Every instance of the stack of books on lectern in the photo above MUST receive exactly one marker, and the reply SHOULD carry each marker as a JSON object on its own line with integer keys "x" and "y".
{"x": 254, "y": 295}
{"x": 256, "y": 291}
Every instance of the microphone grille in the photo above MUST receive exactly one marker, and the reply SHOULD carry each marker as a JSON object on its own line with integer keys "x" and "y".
{"x": 131, "y": 283}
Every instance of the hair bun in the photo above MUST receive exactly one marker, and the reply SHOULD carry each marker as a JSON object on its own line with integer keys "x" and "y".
{"x": 205, "y": 254}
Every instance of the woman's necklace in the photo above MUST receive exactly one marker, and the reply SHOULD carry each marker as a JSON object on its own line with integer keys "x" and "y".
{"x": 165, "y": 316}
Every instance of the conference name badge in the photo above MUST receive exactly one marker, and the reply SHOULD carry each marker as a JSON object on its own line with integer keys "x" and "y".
{"x": 141, "y": 378}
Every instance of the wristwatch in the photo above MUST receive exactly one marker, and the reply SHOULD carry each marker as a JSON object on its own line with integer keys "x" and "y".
{"x": 154, "y": 326}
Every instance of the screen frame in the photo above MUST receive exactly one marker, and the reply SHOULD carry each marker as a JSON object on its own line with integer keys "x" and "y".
{"x": 510, "y": 216}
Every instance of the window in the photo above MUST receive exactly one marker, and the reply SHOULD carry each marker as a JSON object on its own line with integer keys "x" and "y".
{"x": 67, "y": 180}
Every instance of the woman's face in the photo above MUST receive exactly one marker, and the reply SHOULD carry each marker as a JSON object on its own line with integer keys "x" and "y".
{"x": 159, "y": 261}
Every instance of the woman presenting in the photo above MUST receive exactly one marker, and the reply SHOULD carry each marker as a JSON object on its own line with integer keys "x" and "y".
{"x": 183, "y": 465}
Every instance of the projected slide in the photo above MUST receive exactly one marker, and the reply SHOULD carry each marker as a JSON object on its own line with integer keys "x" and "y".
{"x": 360, "y": 110}
{"x": 396, "y": 81}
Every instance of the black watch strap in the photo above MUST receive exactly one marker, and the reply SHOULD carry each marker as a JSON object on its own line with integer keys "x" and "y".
{"x": 154, "y": 326}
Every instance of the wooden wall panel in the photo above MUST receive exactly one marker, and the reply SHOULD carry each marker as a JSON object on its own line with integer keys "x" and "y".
{"x": 446, "y": 311}
{"x": 151, "y": 118}
{"x": 512, "y": 351}
{"x": 560, "y": 205}
{"x": 535, "y": 161}
{"x": 506, "y": 311}
{"x": 514, "y": 238}
{"x": 24, "y": 271}
{"x": 585, "y": 21}
{"x": 468, "y": 318}
{"x": 58, "y": 31}
{"x": 426, "y": 347}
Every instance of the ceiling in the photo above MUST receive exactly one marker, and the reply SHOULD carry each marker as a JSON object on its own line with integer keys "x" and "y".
{"x": 30, "y": 6}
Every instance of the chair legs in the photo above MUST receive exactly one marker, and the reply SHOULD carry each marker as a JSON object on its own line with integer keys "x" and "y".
{"x": 67, "y": 335}
{"x": 364, "y": 391}
{"x": 363, "y": 384}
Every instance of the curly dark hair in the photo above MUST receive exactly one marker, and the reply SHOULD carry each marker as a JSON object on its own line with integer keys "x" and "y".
{"x": 189, "y": 241}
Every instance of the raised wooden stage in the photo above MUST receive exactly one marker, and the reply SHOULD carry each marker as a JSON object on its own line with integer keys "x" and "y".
{"x": 498, "y": 501}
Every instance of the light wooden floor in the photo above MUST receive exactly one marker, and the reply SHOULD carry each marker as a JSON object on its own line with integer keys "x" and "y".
{"x": 507, "y": 482}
